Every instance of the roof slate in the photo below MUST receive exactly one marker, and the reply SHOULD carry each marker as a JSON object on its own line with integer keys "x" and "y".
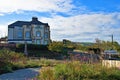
{"x": 21, "y": 23}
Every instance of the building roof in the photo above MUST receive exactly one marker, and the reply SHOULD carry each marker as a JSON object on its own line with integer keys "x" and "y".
{"x": 114, "y": 52}
{"x": 21, "y": 23}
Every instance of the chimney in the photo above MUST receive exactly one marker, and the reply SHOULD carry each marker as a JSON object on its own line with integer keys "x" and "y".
{"x": 34, "y": 19}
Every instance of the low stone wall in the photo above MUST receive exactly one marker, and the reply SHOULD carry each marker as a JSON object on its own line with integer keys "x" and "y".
{"x": 111, "y": 63}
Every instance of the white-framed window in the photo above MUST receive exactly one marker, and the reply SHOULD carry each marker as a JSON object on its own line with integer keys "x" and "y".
{"x": 27, "y": 34}
{"x": 38, "y": 34}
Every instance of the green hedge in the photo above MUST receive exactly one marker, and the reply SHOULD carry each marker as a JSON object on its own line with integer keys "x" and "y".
{"x": 20, "y": 47}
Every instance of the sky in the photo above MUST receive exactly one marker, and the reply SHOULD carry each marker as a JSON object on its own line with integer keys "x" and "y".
{"x": 75, "y": 20}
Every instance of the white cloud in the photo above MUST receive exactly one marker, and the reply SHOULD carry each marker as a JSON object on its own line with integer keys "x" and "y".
{"x": 84, "y": 26}
{"x": 35, "y": 5}
{"x": 3, "y": 30}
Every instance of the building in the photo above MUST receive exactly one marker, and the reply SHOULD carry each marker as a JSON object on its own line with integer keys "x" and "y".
{"x": 32, "y": 32}
{"x": 3, "y": 40}
{"x": 110, "y": 54}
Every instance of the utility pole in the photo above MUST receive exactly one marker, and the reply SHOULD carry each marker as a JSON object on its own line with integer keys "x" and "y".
{"x": 112, "y": 40}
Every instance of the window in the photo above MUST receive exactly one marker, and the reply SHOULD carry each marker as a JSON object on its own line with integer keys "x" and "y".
{"x": 37, "y": 27}
{"x": 46, "y": 35}
{"x": 19, "y": 28}
{"x": 19, "y": 34}
{"x": 46, "y": 42}
{"x": 38, "y": 41}
{"x": 38, "y": 34}
{"x": 27, "y": 34}
{"x": 27, "y": 27}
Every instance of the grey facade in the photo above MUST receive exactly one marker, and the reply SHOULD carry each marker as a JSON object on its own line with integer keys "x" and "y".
{"x": 33, "y": 32}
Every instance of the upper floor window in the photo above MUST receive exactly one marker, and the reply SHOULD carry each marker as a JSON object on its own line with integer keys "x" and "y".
{"x": 46, "y": 35}
{"x": 27, "y": 27}
{"x": 38, "y": 34}
{"x": 46, "y": 29}
{"x": 27, "y": 34}
{"x": 18, "y": 28}
{"x": 38, "y": 27}
{"x": 19, "y": 34}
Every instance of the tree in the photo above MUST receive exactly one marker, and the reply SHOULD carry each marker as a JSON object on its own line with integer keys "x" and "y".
{"x": 56, "y": 46}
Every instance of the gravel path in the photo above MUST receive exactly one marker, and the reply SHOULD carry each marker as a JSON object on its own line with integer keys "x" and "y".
{"x": 23, "y": 74}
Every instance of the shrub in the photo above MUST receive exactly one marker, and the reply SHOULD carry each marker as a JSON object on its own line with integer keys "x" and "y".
{"x": 10, "y": 56}
{"x": 31, "y": 47}
{"x": 5, "y": 67}
{"x": 8, "y": 59}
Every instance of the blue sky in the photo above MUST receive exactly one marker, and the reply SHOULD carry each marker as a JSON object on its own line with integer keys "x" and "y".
{"x": 75, "y": 20}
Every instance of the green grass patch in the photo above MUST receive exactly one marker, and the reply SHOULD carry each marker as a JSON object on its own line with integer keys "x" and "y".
{"x": 79, "y": 71}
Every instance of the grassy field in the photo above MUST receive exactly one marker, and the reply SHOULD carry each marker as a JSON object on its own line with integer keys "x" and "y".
{"x": 57, "y": 69}
{"x": 78, "y": 71}
{"x": 10, "y": 60}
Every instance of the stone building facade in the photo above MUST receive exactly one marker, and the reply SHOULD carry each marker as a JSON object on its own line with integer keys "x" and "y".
{"x": 32, "y": 32}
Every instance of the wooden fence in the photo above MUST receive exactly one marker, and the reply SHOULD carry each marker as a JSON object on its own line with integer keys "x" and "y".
{"x": 111, "y": 63}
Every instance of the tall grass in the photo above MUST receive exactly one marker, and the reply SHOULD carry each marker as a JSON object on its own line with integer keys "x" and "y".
{"x": 77, "y": 71}
{"x": 7, "y": 58}
{"x": 10, "y": 60}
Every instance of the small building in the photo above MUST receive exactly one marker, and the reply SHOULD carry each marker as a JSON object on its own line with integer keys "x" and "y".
{"x": 32, "y": 32}
{"x": 110, "y": 54}
{"x": 3, "y": 40}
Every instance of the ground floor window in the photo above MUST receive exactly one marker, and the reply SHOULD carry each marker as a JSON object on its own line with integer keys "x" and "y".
{"x": 38, "y": 41}
{"x": 46, "y": 42}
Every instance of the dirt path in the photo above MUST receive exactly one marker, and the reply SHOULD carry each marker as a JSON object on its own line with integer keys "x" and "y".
{"x": 23, "y": 74}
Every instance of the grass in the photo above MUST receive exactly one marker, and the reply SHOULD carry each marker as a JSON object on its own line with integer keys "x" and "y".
{"x": 79, "y": 71}
{"x": 55, "y": 69}
{"x": 10, "y": 61}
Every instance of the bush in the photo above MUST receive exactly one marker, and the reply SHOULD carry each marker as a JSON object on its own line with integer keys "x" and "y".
{"x": 5, "y": 67}
{"x": 10, "y": 56}
{"x": 31, "y": 47}
{"x": 7, "y": 60}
